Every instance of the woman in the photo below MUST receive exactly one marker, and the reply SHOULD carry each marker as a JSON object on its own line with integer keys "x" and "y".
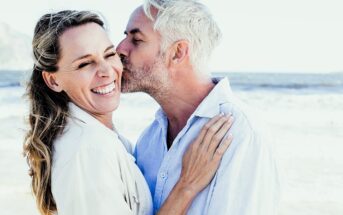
{"x": 78, "y": 162}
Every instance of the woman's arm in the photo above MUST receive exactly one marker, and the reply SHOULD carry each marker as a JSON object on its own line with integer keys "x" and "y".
{"x": 199, "y": 165}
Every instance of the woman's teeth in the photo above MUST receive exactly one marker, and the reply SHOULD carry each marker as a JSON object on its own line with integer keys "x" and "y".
{"x": 104, "y": 90}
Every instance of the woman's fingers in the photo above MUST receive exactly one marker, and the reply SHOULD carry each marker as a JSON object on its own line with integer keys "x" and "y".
{"x": 218, "y": 137}
{"x": 212, "y": 130}
{"x": 206, "y": 127}
{"x": 222, "y": 148}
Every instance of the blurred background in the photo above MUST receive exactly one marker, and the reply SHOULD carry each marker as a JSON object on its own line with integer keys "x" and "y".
{"x": 283, "y": 58}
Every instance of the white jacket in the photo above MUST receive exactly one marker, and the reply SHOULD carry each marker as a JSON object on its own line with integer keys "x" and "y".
{"x": 93, "y": 174}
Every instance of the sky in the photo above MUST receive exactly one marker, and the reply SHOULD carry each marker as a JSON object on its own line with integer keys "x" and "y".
{"x": 258, "y": 35}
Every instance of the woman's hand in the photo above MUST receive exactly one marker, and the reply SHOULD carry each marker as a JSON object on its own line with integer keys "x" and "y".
{"x": 199, "y": 165}
{"x": 202, "y": 158}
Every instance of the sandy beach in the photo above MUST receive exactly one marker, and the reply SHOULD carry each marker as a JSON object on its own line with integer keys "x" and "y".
{"x": 307, "y": 129}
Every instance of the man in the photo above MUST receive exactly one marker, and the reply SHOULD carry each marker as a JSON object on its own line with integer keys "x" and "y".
{"x": 165, "y": 53}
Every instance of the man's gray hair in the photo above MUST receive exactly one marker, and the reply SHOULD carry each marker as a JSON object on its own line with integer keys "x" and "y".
{"x": 185, "y": 20}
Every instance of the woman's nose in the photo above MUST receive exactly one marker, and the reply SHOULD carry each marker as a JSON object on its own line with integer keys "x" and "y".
{"x": 104, "y": 69}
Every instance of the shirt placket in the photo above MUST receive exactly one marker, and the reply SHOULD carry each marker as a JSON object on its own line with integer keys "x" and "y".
{"x": 162, "y": 176}
{"x": 161, "y": 181}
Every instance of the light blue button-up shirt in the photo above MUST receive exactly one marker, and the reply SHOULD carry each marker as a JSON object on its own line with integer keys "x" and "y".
{"x": 246, "y": 182}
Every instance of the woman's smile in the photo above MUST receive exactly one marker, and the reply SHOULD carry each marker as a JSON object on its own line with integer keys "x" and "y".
{"x": 105, "y": 89}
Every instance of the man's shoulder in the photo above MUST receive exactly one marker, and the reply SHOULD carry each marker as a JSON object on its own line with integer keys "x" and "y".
{"x": 241, "y": 112}
{"x": 149, "y": 133}
{"x": 250, "y": 134}
{"x": 247, "y": 123}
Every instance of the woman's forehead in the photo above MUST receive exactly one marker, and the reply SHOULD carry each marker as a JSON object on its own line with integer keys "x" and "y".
{"x": 87, "y": 38}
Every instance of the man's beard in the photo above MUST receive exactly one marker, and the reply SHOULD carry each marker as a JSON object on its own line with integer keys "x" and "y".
{"x": 135, "y": 79}
{"x": 150, "y": 79}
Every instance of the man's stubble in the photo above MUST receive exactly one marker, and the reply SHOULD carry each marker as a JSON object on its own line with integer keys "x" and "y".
{"x": 152, "y": 79}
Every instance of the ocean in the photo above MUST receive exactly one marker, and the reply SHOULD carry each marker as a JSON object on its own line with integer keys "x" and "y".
{"x": 304, "y": 113}
{"x": 306, "y": 82}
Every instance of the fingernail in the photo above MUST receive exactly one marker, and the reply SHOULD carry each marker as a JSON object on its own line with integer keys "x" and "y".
{"x": 229, "y": 114}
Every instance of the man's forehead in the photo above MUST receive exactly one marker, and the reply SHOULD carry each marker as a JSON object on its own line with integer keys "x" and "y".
{"x": 138, "y": 15}
{"x": 138, "y": 23}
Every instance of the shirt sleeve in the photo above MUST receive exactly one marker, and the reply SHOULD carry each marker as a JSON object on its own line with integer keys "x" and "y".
{"x": 90, "y": 184}
{"x": 247, "y": 181}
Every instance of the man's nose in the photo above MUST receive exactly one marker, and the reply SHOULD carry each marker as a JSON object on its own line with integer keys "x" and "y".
{"x": 122, "y": 50}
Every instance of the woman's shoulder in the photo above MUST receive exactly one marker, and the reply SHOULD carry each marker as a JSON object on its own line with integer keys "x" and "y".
{"x": 79, "y": 138}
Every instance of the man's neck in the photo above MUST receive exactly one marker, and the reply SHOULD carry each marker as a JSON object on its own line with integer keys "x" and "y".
{"x": 181, "y": 103}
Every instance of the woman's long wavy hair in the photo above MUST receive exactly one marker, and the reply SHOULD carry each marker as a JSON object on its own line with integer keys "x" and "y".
{"x": 48, "y": 109}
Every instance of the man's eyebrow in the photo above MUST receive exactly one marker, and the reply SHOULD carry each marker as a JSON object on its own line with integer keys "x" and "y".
{"x": 133, "y": 31}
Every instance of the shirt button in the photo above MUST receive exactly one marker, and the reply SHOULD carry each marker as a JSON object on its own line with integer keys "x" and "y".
{"x": 163, "y": 175}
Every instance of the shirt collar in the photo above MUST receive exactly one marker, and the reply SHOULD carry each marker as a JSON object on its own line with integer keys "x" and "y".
{"x": 210, "y": 106}
{"x": 79, "y": 114}
{"x": 219, "y": 95}
{"x": 161, "y": 117}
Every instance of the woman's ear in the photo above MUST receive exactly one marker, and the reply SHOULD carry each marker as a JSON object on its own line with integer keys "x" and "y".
{"x": 51, "y": 82}
{"x": 180, "y": 51}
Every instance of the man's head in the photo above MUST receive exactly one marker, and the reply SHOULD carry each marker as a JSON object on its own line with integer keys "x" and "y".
{"x": 140, "y": 54}
{"x": 155, "y": 32}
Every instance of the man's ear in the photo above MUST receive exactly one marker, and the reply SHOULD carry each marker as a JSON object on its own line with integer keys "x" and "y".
{"x": 51, "y": 82}
{"x": 180, "y": 51}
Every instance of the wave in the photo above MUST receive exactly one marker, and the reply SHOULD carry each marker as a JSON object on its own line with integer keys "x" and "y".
{"x": 287, "y": 86}
{"x": 240, "y": 81}
{"x": 294, "y": 81}
{"x": 11, "y": 78}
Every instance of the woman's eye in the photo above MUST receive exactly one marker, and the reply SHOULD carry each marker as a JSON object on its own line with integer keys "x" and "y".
{"x": 111, "y": 54}
{"x": 83, "y": 65}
